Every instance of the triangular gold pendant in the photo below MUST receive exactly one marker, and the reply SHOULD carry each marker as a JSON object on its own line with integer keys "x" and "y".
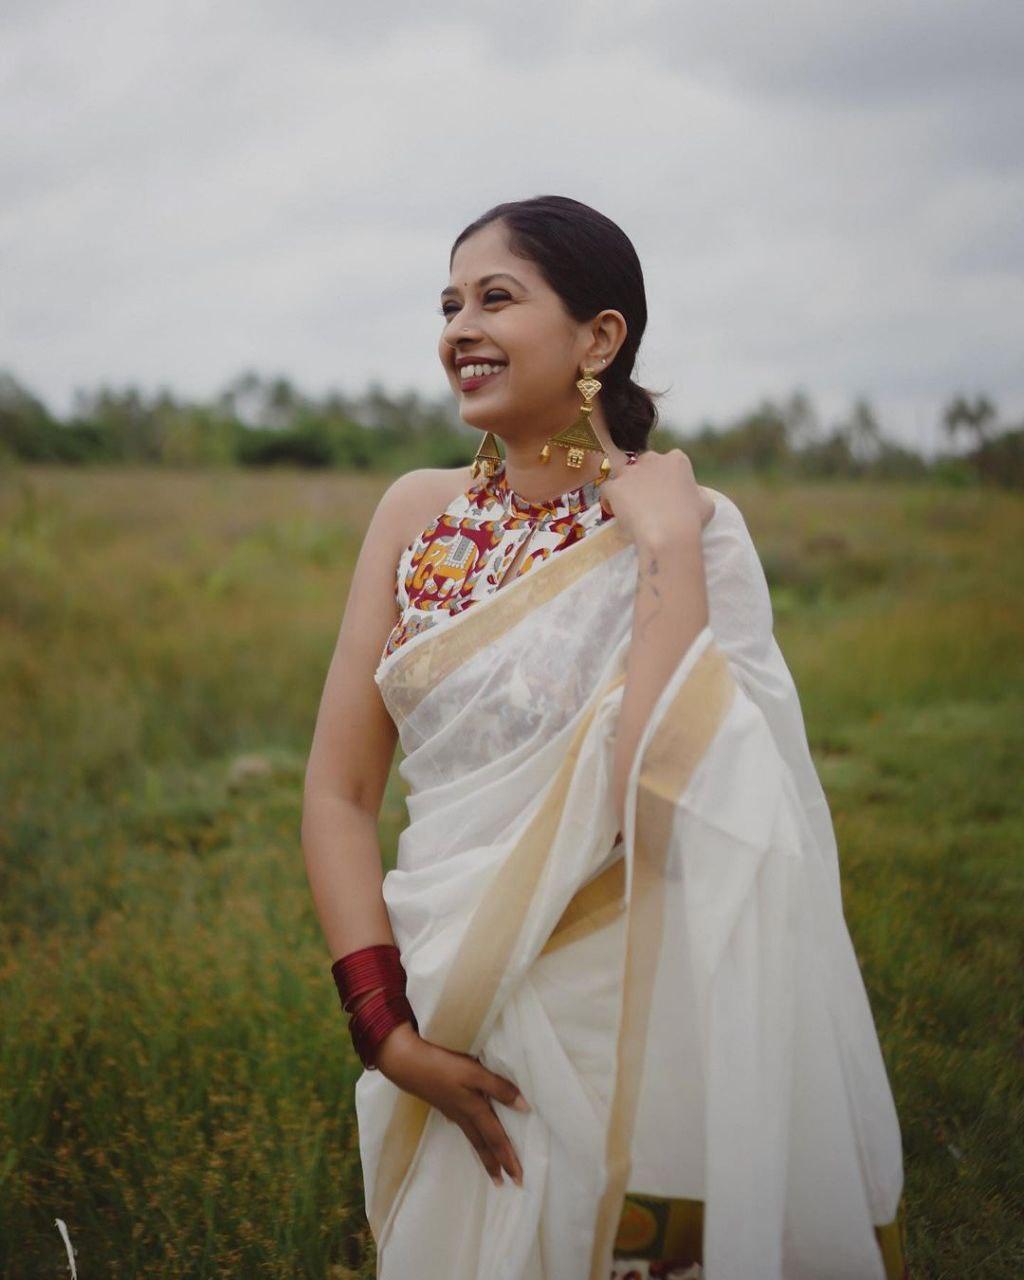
{"x": 487, "y": 458}
{"x": 579, "y": 434}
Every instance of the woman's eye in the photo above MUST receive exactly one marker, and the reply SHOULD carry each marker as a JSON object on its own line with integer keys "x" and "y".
{"x": 444, "y": 309}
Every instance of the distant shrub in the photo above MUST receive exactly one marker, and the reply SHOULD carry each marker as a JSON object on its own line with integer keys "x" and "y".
{"x": 262, "y": 422}
{"x": 309, "y": 446}
{"x": 1001, "y": 460}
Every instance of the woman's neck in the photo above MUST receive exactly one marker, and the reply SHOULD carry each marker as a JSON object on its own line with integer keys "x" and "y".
{"x": 538, "y": 481}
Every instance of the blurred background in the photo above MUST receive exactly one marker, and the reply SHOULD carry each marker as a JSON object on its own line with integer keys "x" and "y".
{"x": 223, "y": 233}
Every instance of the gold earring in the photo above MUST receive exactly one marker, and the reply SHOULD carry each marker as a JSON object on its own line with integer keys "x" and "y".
{"x": 487, "y": 459}
{"x": 580, "y": 436}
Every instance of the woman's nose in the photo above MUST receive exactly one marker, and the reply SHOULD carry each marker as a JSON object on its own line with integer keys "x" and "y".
{"x": 462, "y": 334}
{"x": 461, "y": 328}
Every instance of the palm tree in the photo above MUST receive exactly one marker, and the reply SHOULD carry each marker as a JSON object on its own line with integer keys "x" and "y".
{"x": 977, "y": 418}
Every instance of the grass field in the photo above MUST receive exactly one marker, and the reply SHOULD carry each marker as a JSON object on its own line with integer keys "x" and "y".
{"x": 175, "y": 1072}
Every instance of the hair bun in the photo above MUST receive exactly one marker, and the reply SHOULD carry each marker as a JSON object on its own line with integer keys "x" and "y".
{"x": 630, "y": 411}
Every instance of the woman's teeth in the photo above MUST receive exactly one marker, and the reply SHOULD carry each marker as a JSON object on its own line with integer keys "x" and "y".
{"x": 478, "y": 370}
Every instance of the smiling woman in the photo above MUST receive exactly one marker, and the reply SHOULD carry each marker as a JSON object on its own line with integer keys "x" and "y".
{"x": 611, "y": 960}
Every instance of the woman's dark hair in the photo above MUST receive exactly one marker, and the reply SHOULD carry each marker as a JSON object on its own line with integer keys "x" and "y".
{"x": 591, "y": 264}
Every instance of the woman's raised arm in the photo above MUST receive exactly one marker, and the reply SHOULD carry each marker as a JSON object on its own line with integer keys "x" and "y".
{"x": 664, "y": 510}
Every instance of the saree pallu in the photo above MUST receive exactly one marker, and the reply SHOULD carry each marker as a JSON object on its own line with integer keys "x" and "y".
{"x": 680, "y": 1003}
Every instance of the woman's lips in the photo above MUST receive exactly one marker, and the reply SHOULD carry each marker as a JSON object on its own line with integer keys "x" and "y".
{"x": 471, "y": 384}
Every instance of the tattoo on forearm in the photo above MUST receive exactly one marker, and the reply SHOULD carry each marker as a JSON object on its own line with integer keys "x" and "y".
{"x": 648, "y": 577}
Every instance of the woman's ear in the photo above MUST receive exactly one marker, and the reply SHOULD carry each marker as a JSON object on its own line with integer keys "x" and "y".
{"x": 608, "y": 332}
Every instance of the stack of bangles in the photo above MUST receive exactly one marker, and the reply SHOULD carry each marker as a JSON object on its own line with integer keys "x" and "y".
{"x": 375, "y": 968}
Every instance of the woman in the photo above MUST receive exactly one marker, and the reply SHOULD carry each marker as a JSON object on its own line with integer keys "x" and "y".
{"x": 611, "y": 961}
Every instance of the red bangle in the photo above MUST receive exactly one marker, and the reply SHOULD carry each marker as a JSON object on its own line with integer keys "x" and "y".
{"x": 379, "y": 965}
{"x": 375, "y": 1019}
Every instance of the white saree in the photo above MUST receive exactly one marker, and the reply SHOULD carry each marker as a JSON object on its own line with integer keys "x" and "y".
{"x": 680, "y": 1005}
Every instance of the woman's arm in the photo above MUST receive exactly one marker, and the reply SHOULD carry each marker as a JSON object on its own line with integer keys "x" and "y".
{"x": 665, "y": 512}
{"x": 349, "y": 761}
{"x": 669, "y": 611}
{"x": 352, "y": 750}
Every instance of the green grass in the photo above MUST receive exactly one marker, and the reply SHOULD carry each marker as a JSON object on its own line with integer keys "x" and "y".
{"x": 175, "y": 1072}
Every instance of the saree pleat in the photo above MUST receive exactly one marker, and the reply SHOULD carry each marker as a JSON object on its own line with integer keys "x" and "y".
{"x": 666, "y": 761}
{"x": 679, "y": 1002}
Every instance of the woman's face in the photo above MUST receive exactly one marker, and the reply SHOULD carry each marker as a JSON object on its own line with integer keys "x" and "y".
{"x": 519, "y": 321}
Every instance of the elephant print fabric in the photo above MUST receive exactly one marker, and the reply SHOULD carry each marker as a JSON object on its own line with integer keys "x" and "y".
{"x": 467, "y": 551}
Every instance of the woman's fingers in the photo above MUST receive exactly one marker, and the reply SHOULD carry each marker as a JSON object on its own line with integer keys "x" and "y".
{"x": 500, "y": 1088}
{"x": 493, "y": 1133}
{"x": 490, "y": 1160}
{"x": 469, "y": 1105}
{"x": 489, "y": 1082}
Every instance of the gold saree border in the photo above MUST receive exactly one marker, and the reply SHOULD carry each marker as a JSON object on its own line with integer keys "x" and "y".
{"x": 631, "y": 1223}
{"x": 675, "y": 748}
{"x": 428, "y": 661}
{"x": 667, "y": 1227}
{"x": 594, "y": 906}
{"x": 479, "y": 964}
{"x": 892, "y": 1240}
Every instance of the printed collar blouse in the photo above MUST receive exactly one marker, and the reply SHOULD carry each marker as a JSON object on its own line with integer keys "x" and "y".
{"x": 466, "y": 552}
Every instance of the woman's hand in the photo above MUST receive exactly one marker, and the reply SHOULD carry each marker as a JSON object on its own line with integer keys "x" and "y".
{"x": 461, "y": 1088}
{"x": 657, "y": 497}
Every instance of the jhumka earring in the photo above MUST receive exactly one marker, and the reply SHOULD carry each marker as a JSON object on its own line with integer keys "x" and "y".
{"x": 580, "y": 436}
{"x": 487, "y": 459}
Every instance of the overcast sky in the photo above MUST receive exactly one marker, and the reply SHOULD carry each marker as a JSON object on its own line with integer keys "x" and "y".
{"x": 823, "y": 194}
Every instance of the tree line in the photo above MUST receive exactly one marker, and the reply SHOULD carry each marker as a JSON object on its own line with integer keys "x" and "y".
{"x": 257, "y": 421}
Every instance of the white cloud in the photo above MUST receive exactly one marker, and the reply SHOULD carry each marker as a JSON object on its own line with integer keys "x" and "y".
{"x": 821, "y": 196}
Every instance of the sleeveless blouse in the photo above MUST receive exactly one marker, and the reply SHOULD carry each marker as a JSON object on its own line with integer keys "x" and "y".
{"x": 465, "y": 552}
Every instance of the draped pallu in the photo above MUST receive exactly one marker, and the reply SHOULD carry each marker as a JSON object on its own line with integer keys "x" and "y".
{"x": 680, "y": 1003}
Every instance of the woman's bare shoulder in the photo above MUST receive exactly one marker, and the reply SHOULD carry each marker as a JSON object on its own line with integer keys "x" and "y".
{"x": 405, "y": 508}
{"x": 413, "y": 499}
